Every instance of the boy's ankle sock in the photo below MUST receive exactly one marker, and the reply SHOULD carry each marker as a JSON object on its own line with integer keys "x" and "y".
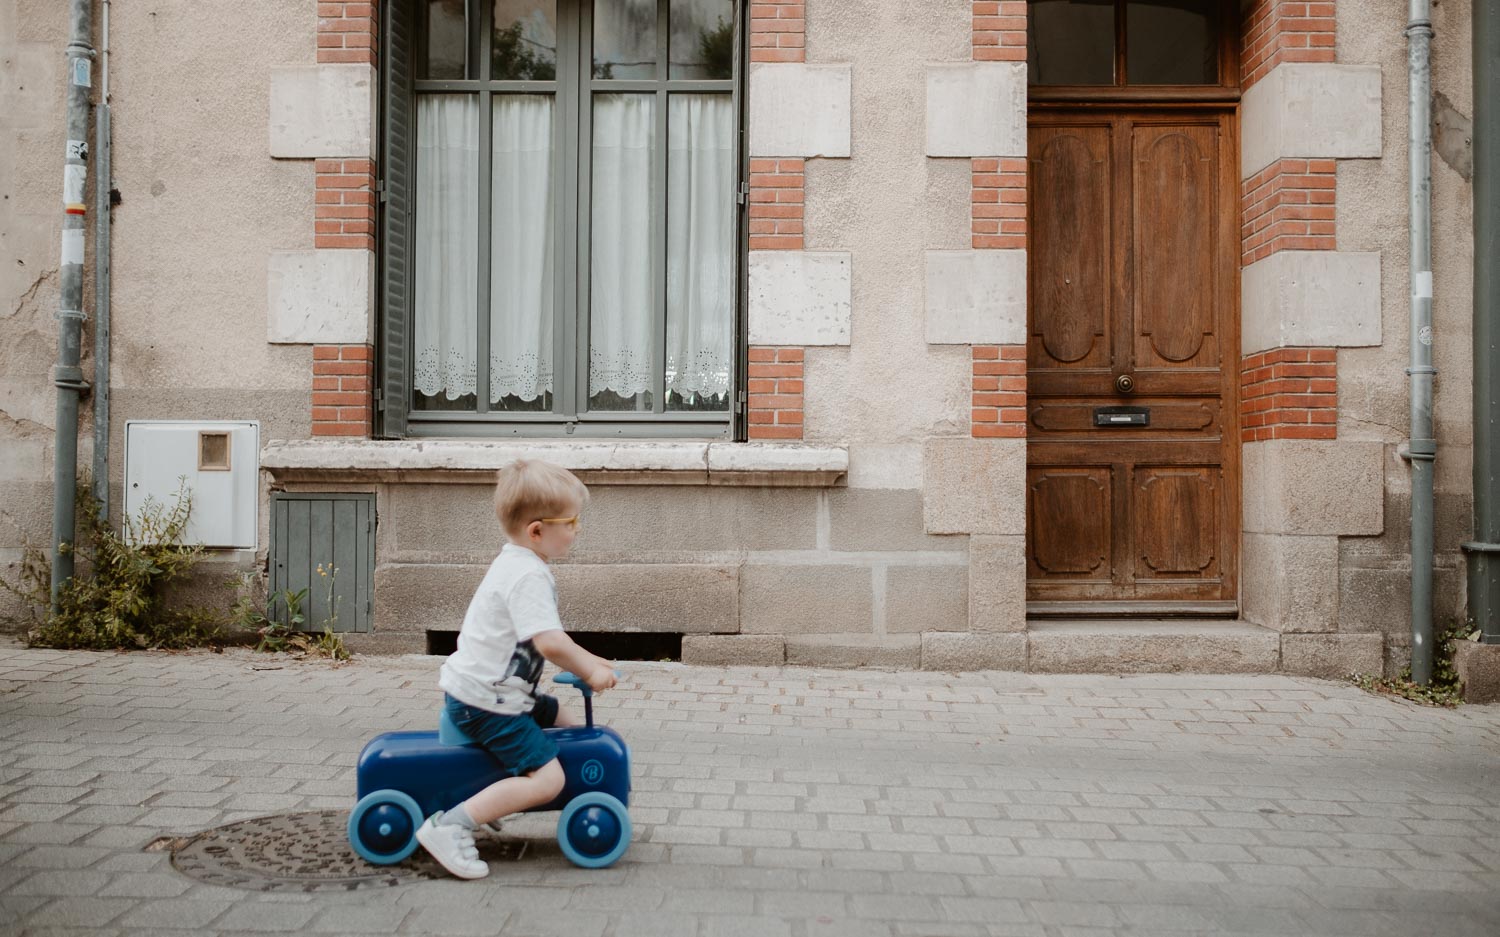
{"x": 457, "y": 816}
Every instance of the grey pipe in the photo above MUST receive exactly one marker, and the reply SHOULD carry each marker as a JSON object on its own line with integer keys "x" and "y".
{"x": 66, "y": 375}
{"x": 1484, "y": 570}
{"x": 1422, "y": 449}
{"x": 103, "y": 187}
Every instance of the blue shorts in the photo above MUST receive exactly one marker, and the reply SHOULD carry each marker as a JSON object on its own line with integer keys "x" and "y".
{"x": 517, "y": 742}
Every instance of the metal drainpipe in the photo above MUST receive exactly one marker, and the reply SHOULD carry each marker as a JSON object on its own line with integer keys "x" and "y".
{"x": 66, "y": 375}
{"x": 1484, "y": 570}
{"x": 1422, "y": 449}
{"x": 103, "y": 189}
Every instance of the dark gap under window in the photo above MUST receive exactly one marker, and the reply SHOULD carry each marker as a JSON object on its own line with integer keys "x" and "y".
{"x": 615, "y": 645}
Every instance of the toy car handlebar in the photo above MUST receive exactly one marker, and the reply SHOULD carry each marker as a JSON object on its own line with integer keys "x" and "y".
{"x": 572, "y": 679}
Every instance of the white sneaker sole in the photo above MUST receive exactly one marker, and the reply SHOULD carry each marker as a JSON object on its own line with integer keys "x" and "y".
{"x": 463, "y": 872}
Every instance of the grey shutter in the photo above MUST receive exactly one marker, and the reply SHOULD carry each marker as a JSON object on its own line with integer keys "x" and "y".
{"x": 397, "y": 152}
{"x": 332, "y": 531}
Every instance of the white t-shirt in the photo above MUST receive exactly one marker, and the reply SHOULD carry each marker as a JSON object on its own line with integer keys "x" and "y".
{"x": 496, "y": 666}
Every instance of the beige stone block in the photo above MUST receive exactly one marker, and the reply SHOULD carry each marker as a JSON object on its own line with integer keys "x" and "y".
{"x": 926, "y": 598}
{"x": 1290, "y": 583}
{"x": 423, "y": 597}
{"x": 1312, "y": 298}
{"x": 976, "y": 297}
{"x": 320, "y": 296}
{"x": 1478, "y": 666}
{"x": 323, "y": 110}
{"x": 799, "y": 110}
{"x": 974, "y": 486}
{"x": 734, "y": 650}
{"x": 1310, "y": 487}
{"x": 800, "y": 297}
{"x": 628, "y": 520}
{"x": 386, "y": 644}
{"x": 797, "y": 600}
{"x": 1332, "y": 656}
{"x": 1374, "y": 598}
{"x": 648, "y": 597}
{"x": 976, "y": 109}
{"x": 892, "y": 652}
{"x": 882, "y": 519}
{"x": 1152, "y": 647}
{"x": 444, "y": 522}
{"x": 997, "y": 583}
{"x": 964, "y": 650}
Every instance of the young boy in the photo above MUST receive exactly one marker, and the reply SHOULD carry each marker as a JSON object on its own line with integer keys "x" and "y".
{"x": 490, "y": 681}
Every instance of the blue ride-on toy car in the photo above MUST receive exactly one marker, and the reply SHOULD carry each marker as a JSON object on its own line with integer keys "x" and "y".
{"x": 405, "y": 777}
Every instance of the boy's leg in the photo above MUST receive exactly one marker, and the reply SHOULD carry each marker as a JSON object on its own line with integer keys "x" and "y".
{"x": 512, "y": 795}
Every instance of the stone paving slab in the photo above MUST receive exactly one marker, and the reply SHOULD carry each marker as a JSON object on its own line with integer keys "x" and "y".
{"x": 790, "y": 802}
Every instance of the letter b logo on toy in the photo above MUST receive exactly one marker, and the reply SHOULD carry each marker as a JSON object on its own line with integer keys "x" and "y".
{"x": 593, "y": 771}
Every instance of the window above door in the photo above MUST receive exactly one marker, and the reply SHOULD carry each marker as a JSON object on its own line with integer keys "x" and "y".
{"x": 1131, "y": 48}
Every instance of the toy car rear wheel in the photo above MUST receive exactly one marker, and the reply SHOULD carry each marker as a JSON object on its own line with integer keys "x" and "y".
{"x": 383, "y": 826}
{"x": 594, "y": 830}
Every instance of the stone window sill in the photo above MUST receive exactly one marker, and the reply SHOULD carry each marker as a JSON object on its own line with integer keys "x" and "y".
{"x": 666, "y": 462}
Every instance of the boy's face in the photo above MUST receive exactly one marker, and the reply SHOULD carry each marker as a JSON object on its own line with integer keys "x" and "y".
{"x": 552, "y": 537}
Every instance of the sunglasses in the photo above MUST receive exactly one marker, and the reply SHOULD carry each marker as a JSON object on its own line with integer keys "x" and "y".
{"x": 570, "y": 521}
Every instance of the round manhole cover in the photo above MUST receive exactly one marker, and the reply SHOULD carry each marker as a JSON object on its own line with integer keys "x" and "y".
{"x": 304, "y": 852}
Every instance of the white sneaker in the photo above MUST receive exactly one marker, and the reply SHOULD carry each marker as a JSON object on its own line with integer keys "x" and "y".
{"x": 453, "y": 847}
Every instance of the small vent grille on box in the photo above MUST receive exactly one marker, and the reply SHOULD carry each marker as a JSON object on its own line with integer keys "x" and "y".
{"x": 213, "y": 451}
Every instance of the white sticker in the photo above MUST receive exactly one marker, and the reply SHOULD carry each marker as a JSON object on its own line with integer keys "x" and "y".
{"x": 1424, "y": 335}
{"x": 1422, "y": 284}
{"x": 83, "y": 72}
{"x": 78, "y": 149}
{"x": 72, "y": 246}
{"x": 74, "y": 178}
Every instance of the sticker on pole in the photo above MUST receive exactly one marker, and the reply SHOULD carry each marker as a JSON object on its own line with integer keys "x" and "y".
{"x": 72, "y": 246}
{"x": 1424, "y": 335}
{"x": 83, "y": 73}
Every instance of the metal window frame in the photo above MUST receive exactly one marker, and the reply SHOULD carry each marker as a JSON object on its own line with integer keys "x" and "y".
{"x": 573, "y": 93}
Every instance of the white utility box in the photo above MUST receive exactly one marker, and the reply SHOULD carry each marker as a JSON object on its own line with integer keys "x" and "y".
{"x": 220, "y": 462}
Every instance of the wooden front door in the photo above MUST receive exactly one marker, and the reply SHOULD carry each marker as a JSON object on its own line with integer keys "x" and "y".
{"x": 1132, "y": 449}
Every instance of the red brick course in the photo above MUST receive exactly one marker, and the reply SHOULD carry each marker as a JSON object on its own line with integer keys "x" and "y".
{"x": 1276, "y": 31}
{"x": 998, "y": 203}
{"x": 999, "y": 30}
{"x": 345, "y": 212}
{"x": 778, "y": 31}
{"x": 998, "y": 389}
{"x": 347, "y": 32}
{"x": 776, "y": 203}
{"x": 1289, "y": 393}
{"x": 343, "y": 378}
{"x": 775, "y": 393}
{"x": 1289, "y": 205}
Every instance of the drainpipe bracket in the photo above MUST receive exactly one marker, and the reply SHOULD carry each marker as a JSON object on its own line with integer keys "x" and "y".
{"x": 1420, "y": 450}
{"x": 1476, "y": 547}
{"x": 69, "y": 378}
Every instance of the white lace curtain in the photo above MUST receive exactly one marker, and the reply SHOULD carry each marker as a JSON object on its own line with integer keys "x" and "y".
{"x": 700, "y": 242}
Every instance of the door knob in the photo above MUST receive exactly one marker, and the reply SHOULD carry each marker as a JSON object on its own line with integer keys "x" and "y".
{"x": 1125, "y": 383}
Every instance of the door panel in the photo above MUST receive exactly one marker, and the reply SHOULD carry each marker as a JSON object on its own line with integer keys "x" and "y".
{"x": 1070, "y": 175}
{"x": 1132, "y": 272}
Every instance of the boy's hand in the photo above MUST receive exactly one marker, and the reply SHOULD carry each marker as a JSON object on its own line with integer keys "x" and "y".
{"x": 601, "y": 678}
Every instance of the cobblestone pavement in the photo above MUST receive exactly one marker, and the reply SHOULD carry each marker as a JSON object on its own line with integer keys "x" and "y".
{"x": 782, "y": 802}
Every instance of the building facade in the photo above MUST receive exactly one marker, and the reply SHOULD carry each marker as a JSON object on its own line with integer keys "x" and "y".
{"x": 962, "y": 334}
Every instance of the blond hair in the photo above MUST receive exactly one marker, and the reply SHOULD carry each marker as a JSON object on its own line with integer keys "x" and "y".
{"x": 530, "y": 489}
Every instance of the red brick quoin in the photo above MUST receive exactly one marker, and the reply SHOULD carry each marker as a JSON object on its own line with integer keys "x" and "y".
{"x": 1289, "y": 205}
{"x": 345, "y": 212}
{"x": 775, "y": 393}
{"x": 776, "y": 203}
{"x": 1289, "y": 393}
{"x": 342, "y": 379}
{"x": 1276, "y": 31}
{"x": 346, "y": 32}
{"x": 999, "y": 392}
{"x": 778, "y": 31}
{"x": 999, "y": 30}
{"x": 998, "y": 203}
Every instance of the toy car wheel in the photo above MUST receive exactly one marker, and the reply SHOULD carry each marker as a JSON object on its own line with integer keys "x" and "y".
{"x": 594, "y": 830}
{"x": 383, "y": 826}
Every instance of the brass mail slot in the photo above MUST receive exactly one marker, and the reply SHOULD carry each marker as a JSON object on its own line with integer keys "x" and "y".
{"x": 1122, "y": 416}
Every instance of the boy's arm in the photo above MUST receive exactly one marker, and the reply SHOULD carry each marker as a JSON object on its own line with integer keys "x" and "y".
{"x": 563, "y": 651}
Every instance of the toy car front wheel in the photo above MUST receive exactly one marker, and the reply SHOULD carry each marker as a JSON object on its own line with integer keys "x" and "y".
{"x": 383, "y": 826}
{"x": 594, "y": 830}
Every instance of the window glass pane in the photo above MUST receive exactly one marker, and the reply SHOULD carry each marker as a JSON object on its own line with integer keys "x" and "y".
{"x": 1172, "y": 42}
{"x": 1070, "y": 42}
{"x": 443, "y": 49}
{"x": 700, "y": 250}
{"x": 621, "y": 307}
{"x": 524, "y": 44}
{"x": 522, "y": 275}
{"x": 445, "y": 229}
{"x": 702, "y": 39}
{"x": 624, "y": 39}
